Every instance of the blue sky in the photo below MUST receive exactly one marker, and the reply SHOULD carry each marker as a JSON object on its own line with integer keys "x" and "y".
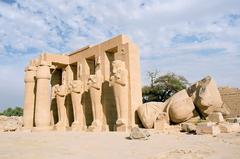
{"x": 193, "y": 38}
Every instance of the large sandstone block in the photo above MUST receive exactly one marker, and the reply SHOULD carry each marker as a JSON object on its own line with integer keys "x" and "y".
{"x": 149, "y": 112}
{"x": 215, "y": 117}
{"x": 206, "y": 97}
{"x": 180, "y": 107}
{"x": 207, "y": 128}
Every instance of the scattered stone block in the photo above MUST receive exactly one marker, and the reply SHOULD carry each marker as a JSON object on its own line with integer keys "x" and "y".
{"x": 137, "y": 133}
{"x": 188, "y": 127}
{"x": 229, "y": 127}
{"x": 207, "y": 128}
{"x": 215, "y": 117}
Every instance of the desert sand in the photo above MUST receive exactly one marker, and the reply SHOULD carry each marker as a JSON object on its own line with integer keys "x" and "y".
{"x": 115, "y": 145}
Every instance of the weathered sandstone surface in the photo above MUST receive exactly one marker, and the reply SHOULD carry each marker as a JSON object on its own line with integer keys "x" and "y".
{"x": 12, "y": 123}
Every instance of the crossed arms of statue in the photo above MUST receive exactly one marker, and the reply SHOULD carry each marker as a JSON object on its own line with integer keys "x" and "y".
{"x": 119, "y": 78}
{"x": 94, "y": 82}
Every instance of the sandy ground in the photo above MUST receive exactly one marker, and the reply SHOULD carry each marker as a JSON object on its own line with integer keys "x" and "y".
{"x": 71, "y": 145}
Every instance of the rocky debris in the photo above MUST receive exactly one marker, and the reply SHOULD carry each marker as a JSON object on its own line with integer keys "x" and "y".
{"x": 180, "y": 107}
{"x": 200, "y": 107}
{"x": 162, "y": 122}
{"x": 149, "y": 112}
{"x": 137, "y": 133}
{"x": 215, "y": 117}
{"x": 233, "y": 120}
{"x": 206, "y": 97}
{"x": 229, "y": 127}
{"x": 188, "y": 127}
{"x": 12, "y": 123}
{"x": 207, "y": 128}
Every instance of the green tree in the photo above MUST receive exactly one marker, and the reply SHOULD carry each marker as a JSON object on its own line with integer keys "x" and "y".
{"x": 163, "y": 87}
{"x": 17, "y": 111}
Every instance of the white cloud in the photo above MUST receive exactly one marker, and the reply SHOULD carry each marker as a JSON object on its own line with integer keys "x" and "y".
{"x": 29, "y": 27}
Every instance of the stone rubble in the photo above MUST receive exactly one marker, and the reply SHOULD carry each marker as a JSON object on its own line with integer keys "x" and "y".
{"x": 233, "y": 120}
{"x": 13, "y": 123}
{"x": 198, "y": 110}
{"x": 207, "y": 128}
{"x": 229, "y": 127}
{"x": 137, "y": 133}
{"x": 188, "y": 127}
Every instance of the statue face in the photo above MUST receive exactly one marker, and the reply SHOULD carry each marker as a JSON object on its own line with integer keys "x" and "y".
{"x": 117, "y": 66}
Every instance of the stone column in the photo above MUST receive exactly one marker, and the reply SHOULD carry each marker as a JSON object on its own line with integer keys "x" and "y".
{"x": 29, "y": 97}
{"x": 42, "y": 110}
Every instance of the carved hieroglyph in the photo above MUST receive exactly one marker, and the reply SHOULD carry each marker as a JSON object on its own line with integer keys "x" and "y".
{"x": 83, "y": 99}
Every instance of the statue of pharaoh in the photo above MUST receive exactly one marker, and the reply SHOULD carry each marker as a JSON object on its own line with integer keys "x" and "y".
{"x": 60, "y": 92}
{"x": 95, "y": 86}
{"x": 119, "y": 81}
{"x": 76, "y": 90}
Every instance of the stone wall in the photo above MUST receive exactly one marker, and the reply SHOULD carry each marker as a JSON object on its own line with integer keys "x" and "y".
{"x": 231, "y": 96}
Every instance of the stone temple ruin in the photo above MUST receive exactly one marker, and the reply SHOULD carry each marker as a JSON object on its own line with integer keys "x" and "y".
{"x": 96, "y": 88}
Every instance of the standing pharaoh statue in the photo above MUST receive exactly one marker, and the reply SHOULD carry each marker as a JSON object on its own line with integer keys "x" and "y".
{"x": 95, "y": 87}
{"x": 76, "y": 89}
{"x": 119, "y": 81}
{"x": 60, "y": 92}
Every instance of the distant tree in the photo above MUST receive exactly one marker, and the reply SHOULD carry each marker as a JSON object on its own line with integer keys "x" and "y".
{"x": 153, "y": 75}
{"x": 17, "y": 111}
{"x": 163, "y": 87}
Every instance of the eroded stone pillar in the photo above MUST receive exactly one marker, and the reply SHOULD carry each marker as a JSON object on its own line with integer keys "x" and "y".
{"x": 29, "y": 97}
{"x": 119, "y": 81}
{"x": 42, "y": 110}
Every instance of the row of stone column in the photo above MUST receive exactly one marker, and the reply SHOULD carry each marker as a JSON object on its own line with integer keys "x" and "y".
{"x": 37, "y": 114}
{"x": 37, "y": 93}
